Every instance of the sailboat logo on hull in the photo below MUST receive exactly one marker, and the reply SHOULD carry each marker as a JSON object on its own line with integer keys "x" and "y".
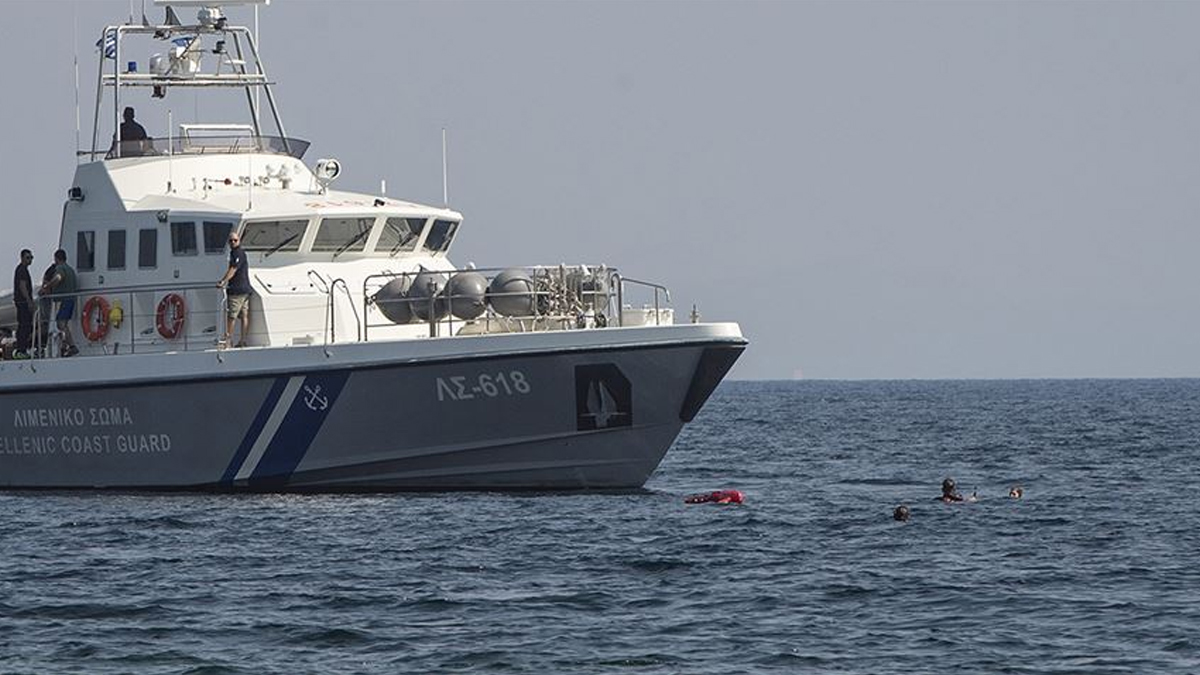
{"x": 603, "y": 397}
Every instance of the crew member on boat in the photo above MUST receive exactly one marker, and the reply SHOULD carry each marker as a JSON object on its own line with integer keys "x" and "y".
{"x": 23, "y": 299}
{"x": 134, "y": 140}
{"x": 236, "y": 283}
{"x": 45, "y": 307}
{"x": 64, "y": 282}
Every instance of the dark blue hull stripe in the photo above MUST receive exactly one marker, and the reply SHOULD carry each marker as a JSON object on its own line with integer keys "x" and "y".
{"x": 255, "y": 429}
{"x": 295, "y": 435}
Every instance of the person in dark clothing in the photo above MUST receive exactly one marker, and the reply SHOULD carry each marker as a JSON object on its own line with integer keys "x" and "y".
{"x": 134, "y": 140}
{"x": 23, "y": 299}
{"x": 236, "y": 283}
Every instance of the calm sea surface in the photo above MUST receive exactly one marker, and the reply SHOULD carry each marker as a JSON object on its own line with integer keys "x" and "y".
{"x": 1096, "y": 570}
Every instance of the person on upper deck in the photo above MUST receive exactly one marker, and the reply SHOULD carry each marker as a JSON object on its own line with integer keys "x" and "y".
{"x": 23, "y": 299}
{"x": 63, "y": 282}
{"x": 134, "y": 140}
{"x": 236, "y": 283}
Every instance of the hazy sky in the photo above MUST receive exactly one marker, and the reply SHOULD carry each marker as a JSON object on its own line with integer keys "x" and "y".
{"x": 872, "y": 189}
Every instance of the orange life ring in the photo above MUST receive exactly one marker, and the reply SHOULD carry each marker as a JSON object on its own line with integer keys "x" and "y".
{"x": 170, "y": 315}
{"x": 95, "y": 324}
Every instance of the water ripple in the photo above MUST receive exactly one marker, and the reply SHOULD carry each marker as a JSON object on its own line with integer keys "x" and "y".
{"x": 1092, "y": 572}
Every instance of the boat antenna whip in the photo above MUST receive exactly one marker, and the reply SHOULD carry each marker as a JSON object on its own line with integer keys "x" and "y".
{"x": 170, "y": 151}
{"x": 75, "y": 41}
{"x": 445, "y": 188}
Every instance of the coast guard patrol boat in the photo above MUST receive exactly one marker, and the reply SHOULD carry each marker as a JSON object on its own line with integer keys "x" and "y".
{"x": 373, "y": 363}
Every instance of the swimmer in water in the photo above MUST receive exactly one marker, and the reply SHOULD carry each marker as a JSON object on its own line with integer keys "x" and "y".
{"x": 901, "y": 513}
{"x": 717, "y": 497}
{"x": 949, "y": 494}
{"x": 1016, "y": 492}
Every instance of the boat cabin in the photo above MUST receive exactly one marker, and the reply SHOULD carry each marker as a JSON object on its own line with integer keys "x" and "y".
{"x": 148, "y": 218}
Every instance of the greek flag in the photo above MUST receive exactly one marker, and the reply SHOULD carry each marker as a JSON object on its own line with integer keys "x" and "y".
{"x": 183, "y": 41}
{"x": 109, "y": 44}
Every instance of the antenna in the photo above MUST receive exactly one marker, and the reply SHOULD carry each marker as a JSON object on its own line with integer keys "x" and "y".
{"x": 170, "y": 150}
{"x": 445, "y": 188}
{"x": 257, "y": 90}
{"x": 75, "y": 35}
{"x": 382, "y": 187}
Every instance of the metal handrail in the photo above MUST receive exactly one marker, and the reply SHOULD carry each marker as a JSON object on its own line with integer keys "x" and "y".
{"x": 53, "y": 334}
{"x": 559, "y": 299}
{"x": 557, "y": 304}
{"x": 186, "y": 286}
{"x": 620, "y": 283}
{"x": 330, "y": 306}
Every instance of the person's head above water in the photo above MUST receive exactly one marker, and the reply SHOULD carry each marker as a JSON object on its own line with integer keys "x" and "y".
{"x": 949, "y": 493}
{"x": 128, "y": 113}
{"x": 1016, "y": 492}
{"x": 901, "y": 513}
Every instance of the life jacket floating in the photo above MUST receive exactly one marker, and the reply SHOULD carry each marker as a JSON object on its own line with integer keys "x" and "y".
{"x": 716, "y": 497}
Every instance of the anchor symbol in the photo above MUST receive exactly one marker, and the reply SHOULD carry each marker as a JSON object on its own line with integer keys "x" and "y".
{"x": 314, "y": 400}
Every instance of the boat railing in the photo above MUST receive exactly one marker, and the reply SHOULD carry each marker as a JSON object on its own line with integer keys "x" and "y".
{"x": 187, "y": 145}
{"x": 657, "y": 289}
{"x": 330, "y": 330}
{"x": 192, "y": 316}
{"x": 561, "y": 297}
{"x": 152, "y": 317}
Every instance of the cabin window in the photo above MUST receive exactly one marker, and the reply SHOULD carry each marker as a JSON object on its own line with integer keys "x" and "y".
{"x": 274, "y": 235}
{"x": 342, "y": 234}
{"x": 215, "y": 236}
{"x": 85, "y": 251}
{"x": 400, "y": 234}
{"x": 183, "y": 238}
{"x": 116, "y": 249}
{"x": 440, "y": 235}
{"x": 148, "y": 248}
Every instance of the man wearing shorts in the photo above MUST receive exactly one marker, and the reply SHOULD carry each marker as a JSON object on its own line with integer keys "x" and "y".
{"x": 61, "y": 283}
{"x": 236, "y": 283}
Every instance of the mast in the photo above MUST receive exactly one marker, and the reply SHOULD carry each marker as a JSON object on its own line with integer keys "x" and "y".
{"x": 182, "y": 68}
{"x": 267, "y": 88}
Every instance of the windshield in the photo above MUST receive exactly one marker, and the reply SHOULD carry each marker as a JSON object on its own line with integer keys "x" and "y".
{"x": 209, "y": 145}
{"x": 440, "y": 235}
{"x": 400, "y": 234}
{"x": 271, "y": 235}
{"x": 342, "y": 234}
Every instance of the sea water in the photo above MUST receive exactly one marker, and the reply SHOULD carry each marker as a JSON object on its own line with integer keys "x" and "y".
{"x": 1095, "y": 570}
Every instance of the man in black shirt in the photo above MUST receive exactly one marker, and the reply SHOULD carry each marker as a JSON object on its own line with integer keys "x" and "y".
{"x": 23, "y": 299}
{"x": 134, "y": 141}
{"x": 236, "y": 283}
